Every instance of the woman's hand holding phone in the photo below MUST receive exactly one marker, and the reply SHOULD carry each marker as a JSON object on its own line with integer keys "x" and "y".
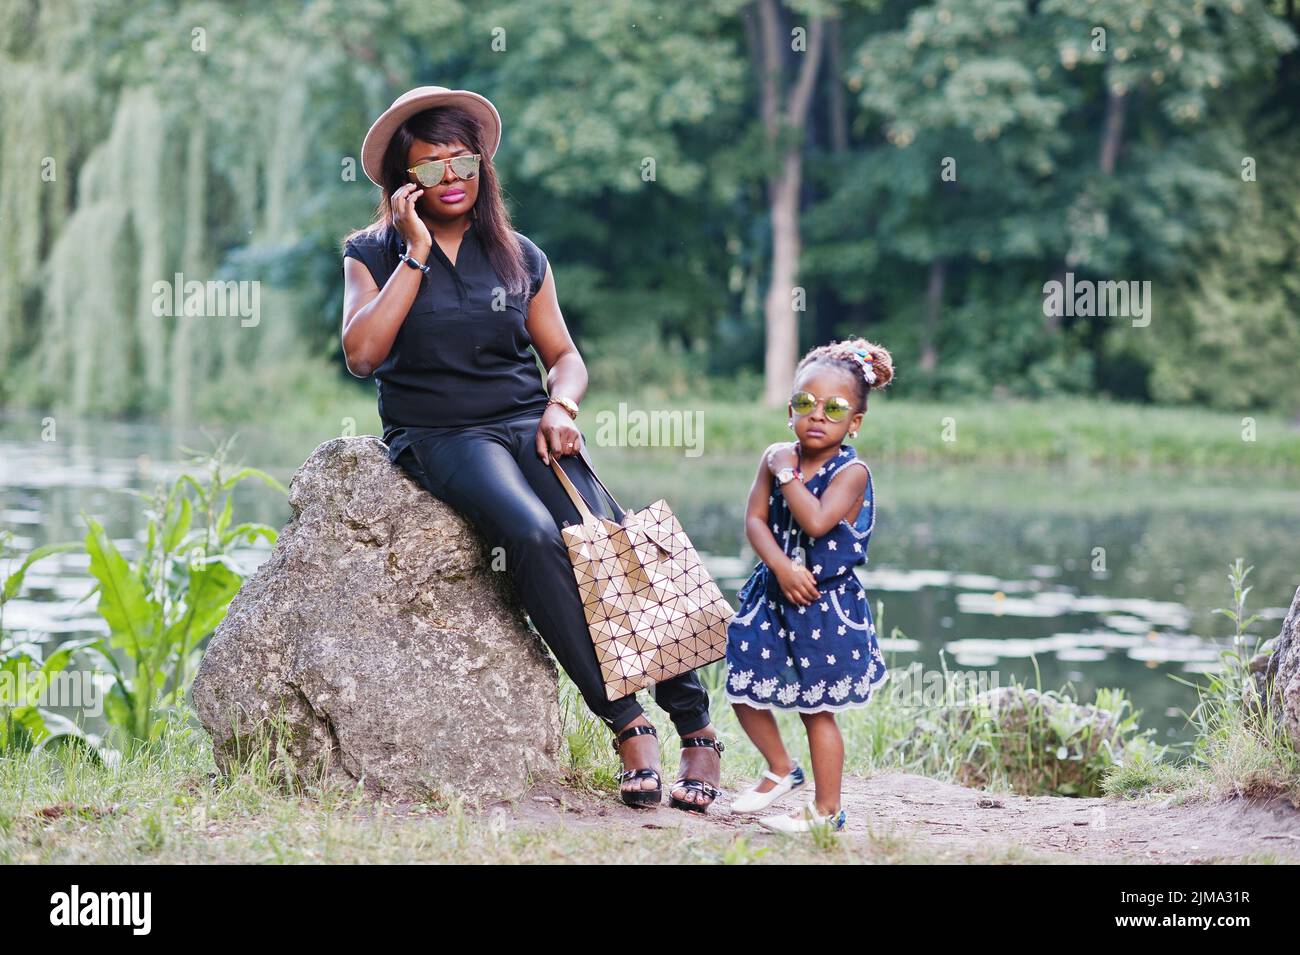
{"x": 408, "y": 222}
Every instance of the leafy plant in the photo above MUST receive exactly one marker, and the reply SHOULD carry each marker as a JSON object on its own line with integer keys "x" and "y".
{"x": 1031, "y": 740}
{"x": 26, "y": 674}
{"x": 1241, "y": 740}
{"x": 25, "y": 679}
{"x": 14, "y": 582}
{"x": 1237, "y": 660}
{"x": 161, "y": 607}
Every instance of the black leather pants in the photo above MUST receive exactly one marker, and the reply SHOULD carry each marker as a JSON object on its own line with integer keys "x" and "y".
{"x": 491, "y": 475}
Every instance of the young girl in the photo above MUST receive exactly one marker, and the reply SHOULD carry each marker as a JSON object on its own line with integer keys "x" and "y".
{"x": 803, "y": 637}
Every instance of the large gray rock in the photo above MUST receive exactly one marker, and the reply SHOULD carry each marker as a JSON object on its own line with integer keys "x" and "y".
{"x": 396, "y": 655}
{"x": 1282, "y": 674}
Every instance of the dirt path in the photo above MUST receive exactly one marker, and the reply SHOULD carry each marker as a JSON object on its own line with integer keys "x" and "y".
{"x": 905, "y": 817}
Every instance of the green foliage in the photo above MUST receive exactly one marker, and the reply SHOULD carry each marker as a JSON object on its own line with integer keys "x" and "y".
{"x": 1232, "y": 335}
{"x": 161, "y": 607}
{"x": 13, "y": 581}
{"x": 1018, "y": 98}
{"x": 1057, "y": 430}
{"x": 25, "y": 679}
{"x": 1026, "y": 739}
{"x": 1241, "y": 741}
{"x": 1144, "y": 773}
{"x": 634, "y": 154}
{"x": 26, "y": 675}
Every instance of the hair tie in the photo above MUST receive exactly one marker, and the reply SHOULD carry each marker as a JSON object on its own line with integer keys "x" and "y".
{"x": 868, "y": 372}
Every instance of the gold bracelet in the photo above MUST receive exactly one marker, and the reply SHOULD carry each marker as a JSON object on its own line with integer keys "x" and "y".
{"x": 567, "y": 404}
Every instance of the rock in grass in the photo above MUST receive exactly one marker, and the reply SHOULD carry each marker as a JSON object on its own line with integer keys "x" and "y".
{"x": 395, "y": 655}
{"x": 1281, "y": 687}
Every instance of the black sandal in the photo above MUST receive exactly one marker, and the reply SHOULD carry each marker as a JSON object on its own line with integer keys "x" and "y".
{"x": 638, "y": 797}
{"x": 697, "y": 785}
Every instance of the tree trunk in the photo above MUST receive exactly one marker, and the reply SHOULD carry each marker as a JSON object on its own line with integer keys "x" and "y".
{"x": 1112, "y": 130}
{"x": 933, "y": 308}
{"x": 1052, "y": 323}
{"x": 785, "y": 129}
{"x": 839, "y": 122}
{"x": 782, "y": 321}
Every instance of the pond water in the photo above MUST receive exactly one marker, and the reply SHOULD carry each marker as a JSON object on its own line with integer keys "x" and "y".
{"x": 1086, "y": 577}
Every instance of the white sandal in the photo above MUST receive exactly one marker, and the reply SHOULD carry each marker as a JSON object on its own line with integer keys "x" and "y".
{"x": 805, "y": 820}
{"x": 751, "y": 800}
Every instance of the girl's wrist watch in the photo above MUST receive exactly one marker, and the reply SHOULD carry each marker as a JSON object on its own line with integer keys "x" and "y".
{"x": 785, "y": 475}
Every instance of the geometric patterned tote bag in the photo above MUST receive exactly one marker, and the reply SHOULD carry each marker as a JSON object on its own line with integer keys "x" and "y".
{"x": 652, "y": 609}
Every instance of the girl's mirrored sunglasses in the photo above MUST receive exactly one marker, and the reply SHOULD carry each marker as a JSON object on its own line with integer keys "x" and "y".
{"x": 431, "y": 173}
{"x": 837, "y": 407}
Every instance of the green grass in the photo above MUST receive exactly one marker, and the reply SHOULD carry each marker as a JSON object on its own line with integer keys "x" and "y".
{"x": 996, "y": 431}
{"x": 169, "y": 806}
{"x": 1065, "y": 431}
{"x": 1241, "y": 747}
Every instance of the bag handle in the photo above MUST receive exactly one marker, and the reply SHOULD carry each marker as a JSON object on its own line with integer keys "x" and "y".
{"x": 576, "y": 496}
{"x": 582, "y": 453}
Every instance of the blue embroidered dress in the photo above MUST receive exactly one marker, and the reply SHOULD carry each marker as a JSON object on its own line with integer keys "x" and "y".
{"x": 813, "y": 658}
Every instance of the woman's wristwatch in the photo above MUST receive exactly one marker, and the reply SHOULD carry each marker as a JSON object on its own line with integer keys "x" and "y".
{"x": 406, "y": 257}
{"x": 568, "y": 404}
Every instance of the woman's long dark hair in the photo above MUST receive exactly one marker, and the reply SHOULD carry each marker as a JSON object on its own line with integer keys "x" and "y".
{"x": 440, "y": 126}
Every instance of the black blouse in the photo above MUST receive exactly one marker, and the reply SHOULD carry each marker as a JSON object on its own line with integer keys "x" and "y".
{"x": 461, "y": 355}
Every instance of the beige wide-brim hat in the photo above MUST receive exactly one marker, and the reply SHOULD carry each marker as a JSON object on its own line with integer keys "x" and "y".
{"x": 417, "y": 101}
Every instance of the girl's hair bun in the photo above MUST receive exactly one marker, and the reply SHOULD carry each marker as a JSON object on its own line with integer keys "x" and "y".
{"x": 874, "y": 356}
{"x": 870, "y": 363}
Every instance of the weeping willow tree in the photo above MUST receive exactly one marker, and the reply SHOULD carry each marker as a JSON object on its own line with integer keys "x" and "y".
{"x": 37, "y": 124}
{"x": 142, "y": 142}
